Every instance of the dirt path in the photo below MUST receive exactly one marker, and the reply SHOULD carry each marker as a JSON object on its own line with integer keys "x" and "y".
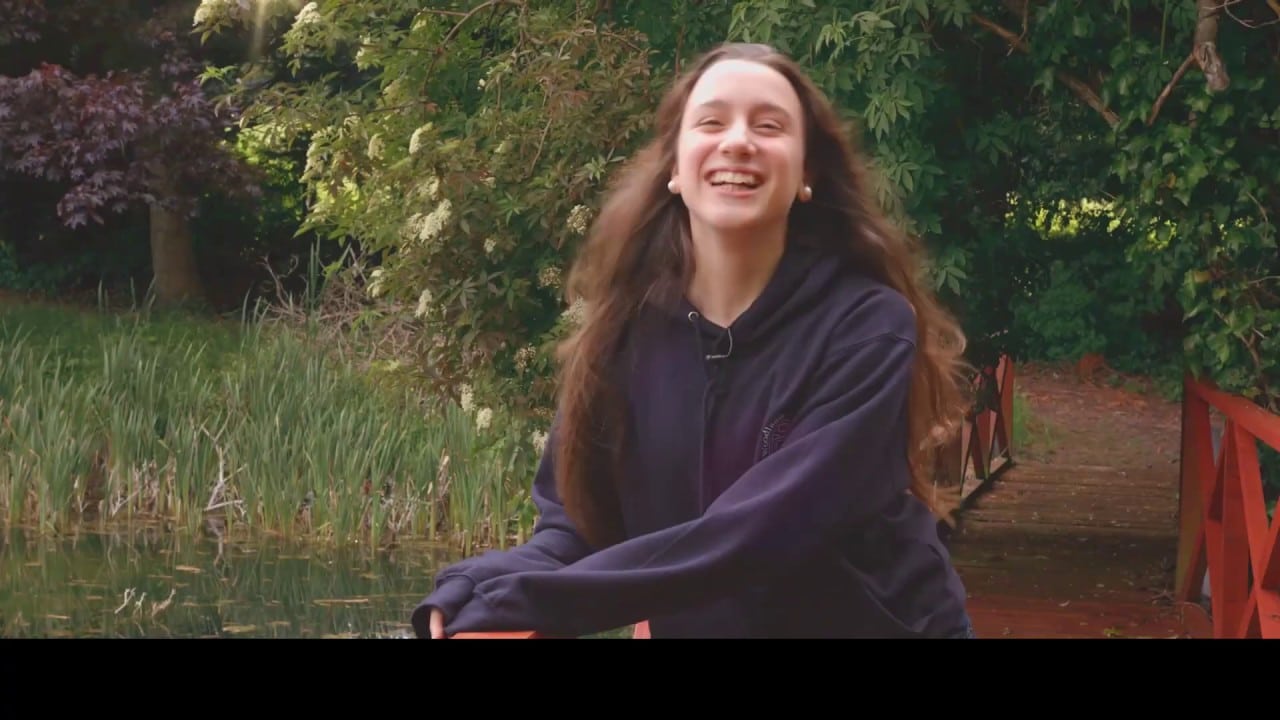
{"x": 1110, "y": 421}
{"x": 1078, "y": 538}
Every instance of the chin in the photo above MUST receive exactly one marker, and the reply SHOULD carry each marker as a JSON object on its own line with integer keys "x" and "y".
{"x": 732, "y": 222}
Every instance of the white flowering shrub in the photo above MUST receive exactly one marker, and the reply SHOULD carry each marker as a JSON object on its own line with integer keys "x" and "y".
{"x": 214, "y": 15}
{"x": 466, "y": 149}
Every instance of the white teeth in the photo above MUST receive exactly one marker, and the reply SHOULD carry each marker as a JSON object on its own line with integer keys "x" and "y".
{"x": 722, "y": 177}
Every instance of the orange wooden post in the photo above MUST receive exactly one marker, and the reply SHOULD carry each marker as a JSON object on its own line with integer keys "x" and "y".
{"x": 640, "y": 632}
{"x": 1234, "y": 543}
{"x": 983, "y": 425}
{"x": 1228, "y": 534}
{"x": 514, "y": 635}
{"x": 1006, "y": 403}
{"x": 1263, "y": 605}
{"x": 977, "y": 449}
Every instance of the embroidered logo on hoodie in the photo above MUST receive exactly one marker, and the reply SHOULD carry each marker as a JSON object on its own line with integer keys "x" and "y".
{"x": 774, "y": 433}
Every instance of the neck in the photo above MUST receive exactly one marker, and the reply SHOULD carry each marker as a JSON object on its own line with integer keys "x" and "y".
{"x": 731, "y": 273}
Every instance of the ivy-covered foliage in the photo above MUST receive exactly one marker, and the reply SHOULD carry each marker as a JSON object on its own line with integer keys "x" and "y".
{"x": 1155, "y": 121}
{"x": 1088, "y": 177}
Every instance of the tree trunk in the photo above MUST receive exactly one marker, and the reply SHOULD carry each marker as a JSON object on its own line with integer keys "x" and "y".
{"x": 1205, "y": 48}
{"x": 173, "y": 260}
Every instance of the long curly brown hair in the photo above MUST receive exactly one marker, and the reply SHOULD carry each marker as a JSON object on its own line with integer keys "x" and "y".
{"x": 640, "y": 243}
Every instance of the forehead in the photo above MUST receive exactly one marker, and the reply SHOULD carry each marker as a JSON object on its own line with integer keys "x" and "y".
{"x": 744, "y": 83}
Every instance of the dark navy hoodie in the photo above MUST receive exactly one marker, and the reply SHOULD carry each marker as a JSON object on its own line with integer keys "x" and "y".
{"x": 766, "y": 488}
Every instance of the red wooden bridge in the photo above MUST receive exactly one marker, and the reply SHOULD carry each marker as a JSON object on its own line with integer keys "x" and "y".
{"x": 1053, "y": 550}
{"x": 1075, "y": 551}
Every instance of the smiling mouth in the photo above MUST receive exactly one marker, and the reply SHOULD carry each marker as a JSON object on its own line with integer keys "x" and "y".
{"x": 734, "y": 180}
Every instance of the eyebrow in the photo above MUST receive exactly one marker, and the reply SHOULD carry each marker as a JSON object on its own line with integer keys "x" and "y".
{"x": 766, "y": 106}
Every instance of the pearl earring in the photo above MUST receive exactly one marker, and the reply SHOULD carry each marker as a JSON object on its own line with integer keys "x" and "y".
{"x": 673, "y": 186}
{"x": 806, "y": 193}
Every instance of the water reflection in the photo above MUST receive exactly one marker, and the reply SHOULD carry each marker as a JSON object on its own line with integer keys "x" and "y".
{"x": 148, "y": 584}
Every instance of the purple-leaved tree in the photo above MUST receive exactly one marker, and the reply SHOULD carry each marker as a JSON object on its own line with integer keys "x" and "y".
{"x": 134, "y": 125}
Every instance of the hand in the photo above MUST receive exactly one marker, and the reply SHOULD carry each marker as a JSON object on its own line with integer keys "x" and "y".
{"x": 437, "y": 625}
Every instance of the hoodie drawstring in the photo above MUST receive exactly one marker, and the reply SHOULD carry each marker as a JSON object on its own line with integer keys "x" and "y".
{"x": 713, "y": 388}
{"x": 693, "y": 322}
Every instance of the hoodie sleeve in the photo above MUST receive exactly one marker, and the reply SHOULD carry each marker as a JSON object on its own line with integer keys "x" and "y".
{"x": 844, "y": 460}
{"x": 555, "y": 543}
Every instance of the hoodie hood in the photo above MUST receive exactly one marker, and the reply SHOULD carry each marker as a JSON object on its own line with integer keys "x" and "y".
{"x": 798, "y": 281}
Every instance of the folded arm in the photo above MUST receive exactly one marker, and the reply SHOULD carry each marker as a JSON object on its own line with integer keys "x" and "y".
{"x": 555, "y": 543}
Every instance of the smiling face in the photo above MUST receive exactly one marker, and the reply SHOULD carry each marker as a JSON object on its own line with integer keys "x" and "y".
{"x": 740, "y": 152}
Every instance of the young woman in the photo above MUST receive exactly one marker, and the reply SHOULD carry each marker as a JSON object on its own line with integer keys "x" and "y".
{"x": 747, "y": 414}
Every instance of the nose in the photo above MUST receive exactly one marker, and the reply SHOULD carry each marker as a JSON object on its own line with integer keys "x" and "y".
{"x": 737, "y": 140}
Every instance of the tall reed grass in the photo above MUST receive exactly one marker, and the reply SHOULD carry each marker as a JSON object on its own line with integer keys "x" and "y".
{"x": 235, "y": 430}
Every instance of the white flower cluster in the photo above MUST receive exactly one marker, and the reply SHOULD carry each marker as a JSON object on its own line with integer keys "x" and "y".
{"x": 425, "y": 228}
{"x": 428, "y": 188}
{"x": 375, "y": 147}
{"x": 216, "y": 14}
{"x": 309, "y": 30}
{"x": 539, "y": 441}
{"x": 365, "y": 56}
{"x": 467, "y": 401}
{"x": 397, "y": 91}
{"x": 308, "y": 15}
{"x": 579, "y": 219}
{"x": 576, "y": 313}
{"x": 424, "y": 304}
{"x": 524, "y": 356}
{"x": 219, "y": 12}
{"x": 549, "y": 277}
{"x": 415, "y": 140}
{"x": 377, "y": 283}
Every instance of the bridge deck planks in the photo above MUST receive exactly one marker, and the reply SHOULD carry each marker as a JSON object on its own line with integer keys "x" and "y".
{"x": 1054, "y": 551}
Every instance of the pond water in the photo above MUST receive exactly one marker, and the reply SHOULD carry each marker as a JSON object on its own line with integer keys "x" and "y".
{"x": 155, "y": 585}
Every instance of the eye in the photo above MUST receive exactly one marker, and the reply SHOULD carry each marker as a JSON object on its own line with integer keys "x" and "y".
{"x": 706, "y": 121}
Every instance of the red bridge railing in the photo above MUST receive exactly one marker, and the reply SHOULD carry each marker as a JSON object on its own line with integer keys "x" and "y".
{"x": 984, "y": 448}
{"x": 1224, "y": 526}
{"x": 640, "y": 631}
